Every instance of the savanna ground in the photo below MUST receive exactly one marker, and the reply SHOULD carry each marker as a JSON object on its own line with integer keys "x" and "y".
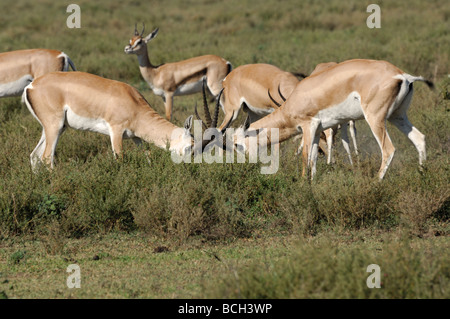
{"x": 165, "y": 230}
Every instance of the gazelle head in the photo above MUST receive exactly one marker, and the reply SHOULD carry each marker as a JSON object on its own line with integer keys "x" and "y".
{"x": 138, "y": 43}
{"x": 182, "y": 141}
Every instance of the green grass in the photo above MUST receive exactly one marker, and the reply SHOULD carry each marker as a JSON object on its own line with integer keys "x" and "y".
{"x": 121, "y": 210}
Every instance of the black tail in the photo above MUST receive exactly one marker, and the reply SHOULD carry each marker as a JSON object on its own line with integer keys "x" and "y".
{"x": 230, "y": 67}
{"x": 430, "y": 84}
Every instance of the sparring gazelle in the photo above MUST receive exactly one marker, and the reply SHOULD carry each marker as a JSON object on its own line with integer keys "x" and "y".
{"x": 352, "y": 90}
{"x": 251, "y": 87}
{"x": 177, "y": 78}
{"x": 88, "y": 102}
{"x": 19, "y": 68}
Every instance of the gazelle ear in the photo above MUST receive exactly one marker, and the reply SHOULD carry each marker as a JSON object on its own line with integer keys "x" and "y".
{"x": 188, "y": 123}
{"x": 151, "y": 35}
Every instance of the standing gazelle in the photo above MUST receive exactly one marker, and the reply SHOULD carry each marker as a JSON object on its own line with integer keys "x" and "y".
{"x": 177, "y": 78}
{"x": 352, "y": 90}
{"x": 88, "y": 102}
{"x": 19, "y": 68}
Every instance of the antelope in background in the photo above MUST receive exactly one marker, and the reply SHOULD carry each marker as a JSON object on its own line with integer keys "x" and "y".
{"x": 88, "y": 102}
{"x": 19, "y": 68}
{"x": 177, "y": 78}
{"x": 352, "y": 90}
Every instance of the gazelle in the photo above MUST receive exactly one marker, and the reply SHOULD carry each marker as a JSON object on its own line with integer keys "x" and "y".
{"x": 88, "y": 102}
{"x": 250, "y": 86}
{"x": 352, "y": 90}
{"x": 19, "y": 68}
{"x": 177, "y": 78}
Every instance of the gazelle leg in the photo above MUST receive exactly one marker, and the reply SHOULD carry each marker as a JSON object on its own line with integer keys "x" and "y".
{"x": 168, "y": 104}
{"x": 323, "y": 145}
{"x": 231, "y": 108}
{"x": 378, "y": 127}
{"x": 414, "y": 135}
{"x": 345, "y": 142}
{"x": 36, "y": 155}
{"x": 306, "y": 142}
{"x": 315, "y": 135}
{"x": 352, "y": 127}
{"x": 116, "y": 136}
{"x": 300, "y": 147}
{"x": 401, "y": 121}
{"x": 52, "y": 134}
{"x": 314, "y": 153}
{"x": 329, "y": 133}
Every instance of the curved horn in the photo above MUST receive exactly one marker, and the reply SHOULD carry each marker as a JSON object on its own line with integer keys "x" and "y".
{"x": 246, "y": 124}
{"x": 143, "y": 28}
{"x": 281, "y": 95}
{"x": 205, "y": 105}
{"x": 216, "y": 114}
{"x": 198, "y": 116}
{"x": 270, "y": 96}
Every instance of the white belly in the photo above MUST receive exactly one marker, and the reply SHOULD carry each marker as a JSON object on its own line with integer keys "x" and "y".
{"x": 15, "y": 88}
{"x": 78, "y": 122}
{"x": 260, "y": 112}
{"x": 189, "y": 88}
{"x": 349, "y": 109}
{"x": 97, "y": 125}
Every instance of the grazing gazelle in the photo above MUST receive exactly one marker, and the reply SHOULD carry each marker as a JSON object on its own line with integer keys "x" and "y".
{"x": 19, "y": 68}
{"x": 352, "y": 90}
{"x": 177, "y": 78}
{"x": 88, "y": 102}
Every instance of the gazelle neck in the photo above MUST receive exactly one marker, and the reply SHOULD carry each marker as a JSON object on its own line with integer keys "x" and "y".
{"x": 277, "y": 119}
{"x": 152, "y": 128}
{"x": 147, "y": 68}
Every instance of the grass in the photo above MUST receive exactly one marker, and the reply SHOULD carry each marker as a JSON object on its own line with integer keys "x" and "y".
{"x": 118, "y": 265}
{"x": 322, "y": 268}
{"x": 259, "y": 226}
